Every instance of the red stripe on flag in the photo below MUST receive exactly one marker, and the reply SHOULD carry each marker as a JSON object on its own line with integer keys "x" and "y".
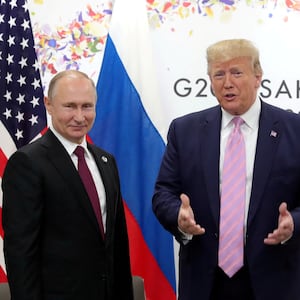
{"x": 143, "y": 263}
{"x": 3, "y": 277}
{"x": 3, "y": 161}
{"x": 1, "y": 229}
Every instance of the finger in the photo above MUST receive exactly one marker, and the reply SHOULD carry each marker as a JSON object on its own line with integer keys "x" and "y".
{"x": 270, "y": 241}
{"x": 199, "y": 229}
{"x": 196, "y": 229}
{"x": 277, "y": 236}
{"x": 272, "y": 238}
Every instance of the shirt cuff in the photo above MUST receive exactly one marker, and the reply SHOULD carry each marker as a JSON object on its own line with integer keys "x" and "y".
{"x": 185, "y": 237}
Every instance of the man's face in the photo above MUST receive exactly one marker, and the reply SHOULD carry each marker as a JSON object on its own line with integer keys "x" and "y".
{"x": 72, "y": 107}
{"x": 235, "y": 84}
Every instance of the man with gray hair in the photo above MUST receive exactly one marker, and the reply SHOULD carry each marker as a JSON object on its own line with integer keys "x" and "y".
{"x": 65, "y": 234}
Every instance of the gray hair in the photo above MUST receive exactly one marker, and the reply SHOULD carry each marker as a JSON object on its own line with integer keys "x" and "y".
{"x": 67, "y": 73}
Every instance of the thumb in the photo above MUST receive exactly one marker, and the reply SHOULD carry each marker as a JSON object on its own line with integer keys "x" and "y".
{"x": 185, "y": 200}
{"x": 283, "y": 208}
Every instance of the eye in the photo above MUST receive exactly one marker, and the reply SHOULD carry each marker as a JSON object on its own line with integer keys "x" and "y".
{"x": 68, "y": 105}
{"x": 218, "y": 75}
{"x": 237, "y": 73}
{"x": 88, "y": 106}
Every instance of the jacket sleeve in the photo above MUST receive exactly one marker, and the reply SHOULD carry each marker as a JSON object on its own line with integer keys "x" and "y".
{"x": 22, "y": 211}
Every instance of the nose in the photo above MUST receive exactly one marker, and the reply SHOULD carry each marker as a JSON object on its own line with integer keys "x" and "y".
{"x": 227, "y": 81}
{"x": 79, "y": 115}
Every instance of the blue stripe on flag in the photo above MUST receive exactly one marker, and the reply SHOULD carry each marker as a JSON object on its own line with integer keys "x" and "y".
{"x": 123, "y": 127}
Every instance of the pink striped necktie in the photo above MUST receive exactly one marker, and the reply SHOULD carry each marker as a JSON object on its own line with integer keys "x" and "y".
{"x": 233, "y": 189}
{"x": 89, "y": 185}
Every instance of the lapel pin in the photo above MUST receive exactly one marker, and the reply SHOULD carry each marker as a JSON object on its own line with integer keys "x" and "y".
{"x": 273, "y": 133}
{"x": 104, "y": 158}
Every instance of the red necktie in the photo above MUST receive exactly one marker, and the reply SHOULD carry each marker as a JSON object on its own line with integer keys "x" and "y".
{"x": 231, "y": 240}
{"x": 89, "y": 185}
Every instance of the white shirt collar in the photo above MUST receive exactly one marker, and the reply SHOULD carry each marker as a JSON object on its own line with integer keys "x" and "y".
{"x": 69, "y": 146}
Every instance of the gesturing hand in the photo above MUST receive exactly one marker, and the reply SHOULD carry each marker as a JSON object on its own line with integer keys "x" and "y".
{"x": 285, "y": 228}
{"x": 186, "y": 220}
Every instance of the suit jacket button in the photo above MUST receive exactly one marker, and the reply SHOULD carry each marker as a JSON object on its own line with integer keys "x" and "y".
{"x": 103, "y": 277}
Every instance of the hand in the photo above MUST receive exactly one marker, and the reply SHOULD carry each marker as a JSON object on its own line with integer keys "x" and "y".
{"x": 186, "y": 220}
{"x": 285, "y": 227}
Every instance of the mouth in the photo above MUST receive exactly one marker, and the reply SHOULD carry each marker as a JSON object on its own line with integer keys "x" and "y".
{"x": 78, "y": 127}
{"x": 229, "y": 97}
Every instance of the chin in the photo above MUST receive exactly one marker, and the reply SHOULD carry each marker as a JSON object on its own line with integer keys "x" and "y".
{"x": 76, "y": 139}
{"x": 233, "y": 108}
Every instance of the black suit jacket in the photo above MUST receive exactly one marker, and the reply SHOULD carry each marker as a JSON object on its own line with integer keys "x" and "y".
{"x": 52, "y": 244}
{"x": 191, "y": 165}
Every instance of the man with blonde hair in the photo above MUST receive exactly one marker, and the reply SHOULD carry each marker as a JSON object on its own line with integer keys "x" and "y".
{"x": 229, "y": 187}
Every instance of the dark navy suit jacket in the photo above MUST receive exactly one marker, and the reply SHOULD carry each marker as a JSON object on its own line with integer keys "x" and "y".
{"x": 191, "y": 165}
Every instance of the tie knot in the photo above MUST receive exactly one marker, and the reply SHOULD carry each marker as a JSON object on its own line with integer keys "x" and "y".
{"x": 79, "y": 151}
{"x": 237, "y": 121}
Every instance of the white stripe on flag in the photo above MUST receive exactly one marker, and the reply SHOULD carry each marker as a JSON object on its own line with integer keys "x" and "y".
{"x": 2, "y": 264}
{"x": 137, "y": 55}
{"x": 9, "y": 146}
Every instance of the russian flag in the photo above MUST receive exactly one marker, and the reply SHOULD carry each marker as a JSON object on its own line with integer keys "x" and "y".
{"x": 129, "y": 125}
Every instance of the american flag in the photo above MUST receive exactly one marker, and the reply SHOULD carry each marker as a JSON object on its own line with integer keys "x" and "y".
{"x": 22, "y": 112}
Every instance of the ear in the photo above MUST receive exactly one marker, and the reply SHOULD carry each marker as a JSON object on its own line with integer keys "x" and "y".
{"x": 258, "y": 80}
{"x": 48, "y": 105}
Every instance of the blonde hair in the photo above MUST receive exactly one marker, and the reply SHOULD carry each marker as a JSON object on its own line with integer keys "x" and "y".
{"x": 228, "y": 49}
{"x": 67, "y": 73}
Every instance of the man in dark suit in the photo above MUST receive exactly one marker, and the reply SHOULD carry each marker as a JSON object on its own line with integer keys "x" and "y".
{"x": 53, "y": 245}
{"x": 188, "y": 193}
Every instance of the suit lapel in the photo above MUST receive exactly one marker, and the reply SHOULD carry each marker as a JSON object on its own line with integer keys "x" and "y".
{"x": 269, "y": 133}
{"x": 210, "y": 159}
